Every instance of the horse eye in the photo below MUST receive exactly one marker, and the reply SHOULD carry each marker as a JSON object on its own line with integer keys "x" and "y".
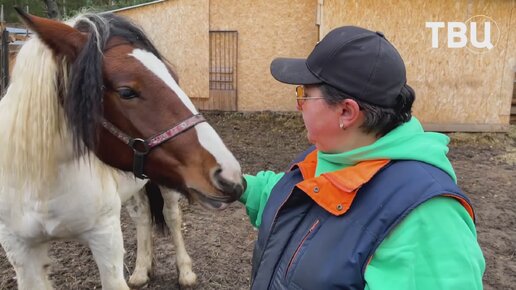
{"x": 127, "y": 93}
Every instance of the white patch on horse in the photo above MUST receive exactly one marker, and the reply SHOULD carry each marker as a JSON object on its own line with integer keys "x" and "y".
{"x": 207, "y": 136}
{"x": 230, "y": 167}
{"x": 152, "y": 63}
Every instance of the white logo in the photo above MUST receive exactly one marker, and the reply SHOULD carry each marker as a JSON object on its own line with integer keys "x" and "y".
{"x": 458, "y": 36}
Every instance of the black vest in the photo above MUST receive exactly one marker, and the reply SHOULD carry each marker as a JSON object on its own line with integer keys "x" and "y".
{"x": 302, "y": 246}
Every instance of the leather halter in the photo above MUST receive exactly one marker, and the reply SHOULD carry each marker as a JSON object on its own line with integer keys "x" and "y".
{"x": 151, "y": 142}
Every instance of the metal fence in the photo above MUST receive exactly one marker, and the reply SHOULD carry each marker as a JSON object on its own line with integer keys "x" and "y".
{"x": 223, "y": 60}
{"x": 11, "y": 41}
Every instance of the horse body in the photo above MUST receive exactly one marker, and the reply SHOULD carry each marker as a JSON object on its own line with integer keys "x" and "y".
{"x": 63, "y": 176}
{"x": 67, "y": 197}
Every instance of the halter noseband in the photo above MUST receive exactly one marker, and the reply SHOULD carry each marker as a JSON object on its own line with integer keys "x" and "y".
{"x": 151, "y": 142}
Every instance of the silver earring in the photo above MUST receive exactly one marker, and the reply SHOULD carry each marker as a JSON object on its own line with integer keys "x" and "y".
{"x": 341, "y": 125}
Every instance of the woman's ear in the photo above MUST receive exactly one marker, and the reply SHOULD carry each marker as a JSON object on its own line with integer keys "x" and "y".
{"x": 349, "y": 113}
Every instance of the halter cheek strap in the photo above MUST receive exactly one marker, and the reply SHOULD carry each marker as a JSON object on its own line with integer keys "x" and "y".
{"x": 142, "y": 147}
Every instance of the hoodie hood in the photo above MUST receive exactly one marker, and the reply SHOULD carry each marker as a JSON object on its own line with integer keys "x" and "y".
{"x": 406, "y": 142}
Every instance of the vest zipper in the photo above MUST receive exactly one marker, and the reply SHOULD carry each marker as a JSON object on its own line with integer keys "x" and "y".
{"x": 270, "y": 231}
{"x": 312, "y": 228}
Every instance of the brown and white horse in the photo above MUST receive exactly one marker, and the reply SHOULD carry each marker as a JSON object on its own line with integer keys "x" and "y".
{"x": 90, "y": 106}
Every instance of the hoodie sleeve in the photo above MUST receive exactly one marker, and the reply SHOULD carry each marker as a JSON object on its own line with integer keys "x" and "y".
{"x": 257, "y": 193}
{"x": 434, "y": 247}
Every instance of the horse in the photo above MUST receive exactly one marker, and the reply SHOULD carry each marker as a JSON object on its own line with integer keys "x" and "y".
{"x": 93, "y": 112}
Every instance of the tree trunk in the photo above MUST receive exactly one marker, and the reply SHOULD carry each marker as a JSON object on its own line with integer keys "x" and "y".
{"x": 52, "y": 9}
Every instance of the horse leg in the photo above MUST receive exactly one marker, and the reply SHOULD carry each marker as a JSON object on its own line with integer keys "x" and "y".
{"x": 31, "y": 262}
{"x": 172, "y": 213}
{"x": 139, "y": 210}
{"x": 107, "y": 246}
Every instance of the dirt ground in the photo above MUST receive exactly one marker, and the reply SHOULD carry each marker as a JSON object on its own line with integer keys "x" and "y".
{"x": 221, "y": 243}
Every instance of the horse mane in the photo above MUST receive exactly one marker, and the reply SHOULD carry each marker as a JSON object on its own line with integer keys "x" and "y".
{"x": 51, "y": 101}
{"x": 34, "y": 127}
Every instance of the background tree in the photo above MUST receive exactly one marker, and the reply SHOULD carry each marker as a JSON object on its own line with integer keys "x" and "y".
{"x": 52, "y": 9}
{"x": 62, "y": 8}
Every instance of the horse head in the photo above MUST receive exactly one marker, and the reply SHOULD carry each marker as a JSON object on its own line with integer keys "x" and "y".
{"x": 122, "y": 102}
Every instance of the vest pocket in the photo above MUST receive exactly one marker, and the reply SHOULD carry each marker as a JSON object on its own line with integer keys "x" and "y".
{"x": 298, "y": 249}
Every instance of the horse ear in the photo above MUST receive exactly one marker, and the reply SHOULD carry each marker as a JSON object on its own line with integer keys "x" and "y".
{"x": 62, "y": 39}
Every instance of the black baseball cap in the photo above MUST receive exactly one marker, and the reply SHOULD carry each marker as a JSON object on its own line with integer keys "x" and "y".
{"x": 357, "y": 61}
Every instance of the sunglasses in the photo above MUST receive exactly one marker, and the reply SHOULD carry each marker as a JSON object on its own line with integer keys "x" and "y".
{"x": 301, "y": 97}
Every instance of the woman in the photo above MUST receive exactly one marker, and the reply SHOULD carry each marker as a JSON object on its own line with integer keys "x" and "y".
{"x": 374, "y": 204}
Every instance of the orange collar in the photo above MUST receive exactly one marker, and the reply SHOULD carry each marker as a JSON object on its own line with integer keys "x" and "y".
{"x": 335, "y": 191}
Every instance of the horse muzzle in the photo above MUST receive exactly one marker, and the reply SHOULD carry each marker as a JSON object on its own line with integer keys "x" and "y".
{"x": 229, "y": 192}
{"x": 229, "y": 188}
{"x": 211, "y": 201}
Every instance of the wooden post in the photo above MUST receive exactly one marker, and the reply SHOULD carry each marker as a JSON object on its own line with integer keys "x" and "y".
{"x": 26, "y": 27}
{"x": 4, "y": 53}
{"x": 4, "y": 62}
{"x": 2, "y": 17}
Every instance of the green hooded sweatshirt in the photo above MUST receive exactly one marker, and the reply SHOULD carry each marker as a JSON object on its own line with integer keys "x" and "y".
{"x": 434, "y": 247}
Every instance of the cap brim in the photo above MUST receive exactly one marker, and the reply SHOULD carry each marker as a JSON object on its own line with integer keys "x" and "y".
{"x": 293, "y": 71}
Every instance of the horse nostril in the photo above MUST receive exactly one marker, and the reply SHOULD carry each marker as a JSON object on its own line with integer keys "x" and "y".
{"x": 230, "y": 188}
{"x": 238, "y": 191}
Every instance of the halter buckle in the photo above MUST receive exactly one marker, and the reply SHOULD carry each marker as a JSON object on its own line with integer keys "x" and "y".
{"x": 134, "y": 142}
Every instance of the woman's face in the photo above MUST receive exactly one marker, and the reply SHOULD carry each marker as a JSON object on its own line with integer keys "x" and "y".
{"x": 321, "y": 120}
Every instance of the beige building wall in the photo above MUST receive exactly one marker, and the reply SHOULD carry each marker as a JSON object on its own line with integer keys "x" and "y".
{"x": 266, "y": 30}
{"x": 457, "y": 89}
{"x": 179, "y": 29}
